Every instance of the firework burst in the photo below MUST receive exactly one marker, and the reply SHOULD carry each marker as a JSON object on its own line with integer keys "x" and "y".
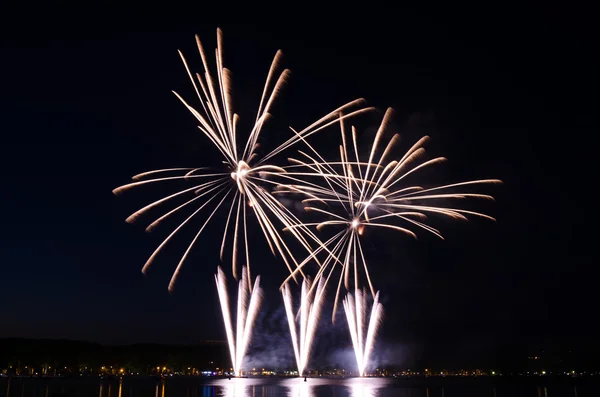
{"x": 355, "y": 196}
{"x": 241, "y": 181}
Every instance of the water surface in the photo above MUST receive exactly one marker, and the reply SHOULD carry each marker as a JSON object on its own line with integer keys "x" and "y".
{"x": 292, "y": 387}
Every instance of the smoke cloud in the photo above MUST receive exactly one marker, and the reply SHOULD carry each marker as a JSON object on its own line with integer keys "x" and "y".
{"x": 271, "y": 345}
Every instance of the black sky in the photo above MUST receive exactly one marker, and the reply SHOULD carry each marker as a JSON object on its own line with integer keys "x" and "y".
{"x": 85, "y": 103}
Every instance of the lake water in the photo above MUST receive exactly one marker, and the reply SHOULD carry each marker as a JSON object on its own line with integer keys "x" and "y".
{"x": 293, "y": 387}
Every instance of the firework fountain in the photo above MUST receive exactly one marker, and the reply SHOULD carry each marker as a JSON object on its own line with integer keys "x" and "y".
{"x": 248, "y": 303}
{"x": 311, "y": 302}
{"x": 356, "y": 310}
{"x": 352, "y": 195}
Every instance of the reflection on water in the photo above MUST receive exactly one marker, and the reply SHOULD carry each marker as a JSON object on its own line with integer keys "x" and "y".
{"x": 240, "y": 388}
{"x": 159, "y": 387}
{"x": 360, "y": 388}
{"x": 109, "y": 391}
{"x": 235, "y": 389}
{"x": 289, "y": 387}
{"x": 355, "y": 387}
{"x": 301, "y": 389}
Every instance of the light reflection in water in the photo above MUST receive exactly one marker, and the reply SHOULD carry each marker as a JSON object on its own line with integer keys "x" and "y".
{"x": 243, "y": 387}
{"x": 301, "y": 389}
{"x": 235, "y": 389}
{"x": 361, "y": 388}
{"x": 314, "y": 387}
{"x": 207, "y": 391}
{"x": 108, "y": 392}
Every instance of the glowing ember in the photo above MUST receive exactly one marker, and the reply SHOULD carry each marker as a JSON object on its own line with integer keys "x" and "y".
{"x": 247, "y": 310}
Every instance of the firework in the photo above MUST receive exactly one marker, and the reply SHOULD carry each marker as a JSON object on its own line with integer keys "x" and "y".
{"x": 248, "y": 303}
{"x": 309, "y": 313}
{"x": 239, "y": 181}
{"x": 362, "y": 330}
{"x": 356, "y": 195}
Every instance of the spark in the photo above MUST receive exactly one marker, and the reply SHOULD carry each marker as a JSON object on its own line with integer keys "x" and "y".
{"x": 357, "y": 196}
{"x": 248, "y": 304}
{"x": 241, "y": 182}
{"x": 362, "y": 330}
{"x": 310, "y": 311}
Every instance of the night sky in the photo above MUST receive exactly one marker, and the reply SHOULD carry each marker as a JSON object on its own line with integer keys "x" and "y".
{"x": 85, "y": 103}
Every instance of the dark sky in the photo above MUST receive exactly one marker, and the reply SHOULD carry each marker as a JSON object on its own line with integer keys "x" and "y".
{"x": 85, "y": 103}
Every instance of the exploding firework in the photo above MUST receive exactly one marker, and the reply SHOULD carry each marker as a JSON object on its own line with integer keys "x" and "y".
{"x": 358, "y": 195}
{"x": 241, "y": 179}
{"x": 248, "y": 303}
{"x": 311, "y": 302}
{"x": 356, "y": 312}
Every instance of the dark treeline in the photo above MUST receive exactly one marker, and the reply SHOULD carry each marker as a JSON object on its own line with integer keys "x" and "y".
{"x": 74, "y": 354}
{"x": 513, "y": 356}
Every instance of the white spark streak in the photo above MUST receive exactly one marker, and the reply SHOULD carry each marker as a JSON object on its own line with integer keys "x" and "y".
{"x": 247, "y": 310}
{"x": 311, "y": 303}
{"x": 359, "y": 196}
{"x": 356, "y": 309}
{"x": 244, "y": 170}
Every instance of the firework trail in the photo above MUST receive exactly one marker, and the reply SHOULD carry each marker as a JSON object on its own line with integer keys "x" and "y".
{"x": 355, "y": 196}
{"x": 248, "y": 303}
{"x": 240, "y": 180}
{"x": 356, "y": 312}
{"x": 311, "y": 304}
